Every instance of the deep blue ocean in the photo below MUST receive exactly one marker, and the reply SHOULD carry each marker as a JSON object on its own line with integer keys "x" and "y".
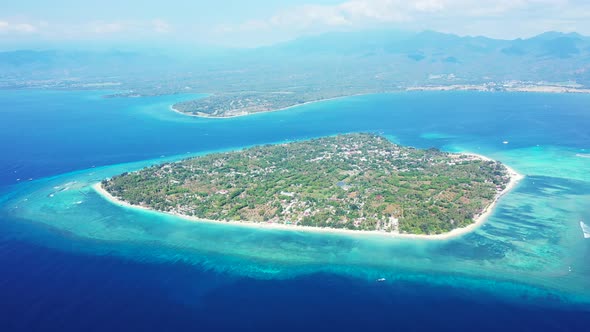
{"x": 89, "y": 275}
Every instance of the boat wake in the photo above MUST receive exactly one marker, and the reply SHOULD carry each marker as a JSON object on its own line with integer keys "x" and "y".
{"x": 585, "y": 230}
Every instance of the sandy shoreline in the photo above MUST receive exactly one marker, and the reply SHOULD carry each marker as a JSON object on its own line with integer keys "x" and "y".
{"x": 480, "y": 220}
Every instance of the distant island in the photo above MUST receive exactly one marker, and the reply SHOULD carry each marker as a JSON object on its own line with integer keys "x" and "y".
{"x": 355, "y": 182}
{"x": 234, "y": 105}
{"x": 229, "y": 105}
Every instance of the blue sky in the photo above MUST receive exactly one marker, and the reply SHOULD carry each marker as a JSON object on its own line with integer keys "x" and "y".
{"x": 28, "y": 23}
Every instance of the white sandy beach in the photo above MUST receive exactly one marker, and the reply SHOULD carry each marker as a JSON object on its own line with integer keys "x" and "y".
{"x": 480, "y": 220}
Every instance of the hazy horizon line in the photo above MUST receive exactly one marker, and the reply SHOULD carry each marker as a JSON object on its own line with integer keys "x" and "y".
{"x": 93, "y": 45}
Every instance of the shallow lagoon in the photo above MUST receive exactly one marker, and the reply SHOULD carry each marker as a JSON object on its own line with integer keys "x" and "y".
{"x": 530, "y": 251}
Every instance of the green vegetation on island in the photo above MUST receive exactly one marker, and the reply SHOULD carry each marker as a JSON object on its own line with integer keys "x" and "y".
{"x": 353, "y": 181}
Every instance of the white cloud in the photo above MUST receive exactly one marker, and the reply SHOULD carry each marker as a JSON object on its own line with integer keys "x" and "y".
{"x": 108, "y": 27}
{"x": 344, "y": 14}
{"x": 353, "y": 12}
{"x": 130, "y": 27}
{"x": 161, "y": 26}
{"x": 7, "y": 27}
{"x": 310, "y": 15}
{"x": 494, "y": 18}
{"x": 83, "y": 30}
{"x": 421, "y": 13}
{"x": 25, "y": 27}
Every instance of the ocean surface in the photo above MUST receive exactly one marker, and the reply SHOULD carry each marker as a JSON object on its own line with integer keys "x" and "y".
{"x": 71, "y": 261}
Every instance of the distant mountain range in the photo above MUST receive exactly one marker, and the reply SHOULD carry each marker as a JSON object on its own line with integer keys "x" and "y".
{"x": 429, "y": 43}
{"x": 367, "y": 60}
{"x": 551, "y": 56}
{"x": 52, "y": 64}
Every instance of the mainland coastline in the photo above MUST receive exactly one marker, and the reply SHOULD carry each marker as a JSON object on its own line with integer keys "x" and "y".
{"x": 478, "y": 220}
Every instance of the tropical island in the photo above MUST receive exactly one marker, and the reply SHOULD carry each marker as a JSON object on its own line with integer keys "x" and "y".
{"x": 229, "y": 105}
{"x": 358, "y": 182}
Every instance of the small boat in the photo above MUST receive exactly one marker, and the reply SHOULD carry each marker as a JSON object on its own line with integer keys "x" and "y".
{"x": 381, "y": 280}
{"x": 505, "y": 142}
{"x": 585, "y": 229}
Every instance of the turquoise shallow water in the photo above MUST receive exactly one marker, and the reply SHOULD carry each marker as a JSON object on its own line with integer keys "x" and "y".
{"x": 530, "y": 250}
{"x": 532, "y": 238}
